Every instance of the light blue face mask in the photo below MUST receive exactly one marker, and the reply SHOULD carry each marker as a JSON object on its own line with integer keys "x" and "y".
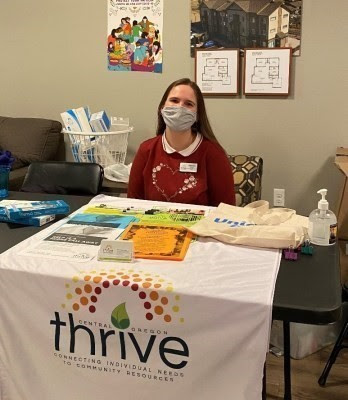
{"x": 177, "y": 118}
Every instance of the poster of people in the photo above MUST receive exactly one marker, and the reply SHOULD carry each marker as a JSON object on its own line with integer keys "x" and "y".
{"x": 135, "y": 35}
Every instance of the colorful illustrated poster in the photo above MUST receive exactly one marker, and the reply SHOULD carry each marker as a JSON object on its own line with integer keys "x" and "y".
{"x": 135, "y": 35}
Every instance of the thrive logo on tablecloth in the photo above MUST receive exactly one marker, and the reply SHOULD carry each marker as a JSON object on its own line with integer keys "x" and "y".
{"x": 134, "y": 340}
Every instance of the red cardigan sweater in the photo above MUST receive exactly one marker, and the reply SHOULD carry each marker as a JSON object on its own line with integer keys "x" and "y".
{"x": 155, "y": 175}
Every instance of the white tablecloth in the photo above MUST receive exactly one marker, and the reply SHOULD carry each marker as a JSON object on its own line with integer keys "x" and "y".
{"x": 197, "y": 329}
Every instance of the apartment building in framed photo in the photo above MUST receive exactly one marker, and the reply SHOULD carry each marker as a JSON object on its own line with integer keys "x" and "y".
{"x": 247, "y": 23}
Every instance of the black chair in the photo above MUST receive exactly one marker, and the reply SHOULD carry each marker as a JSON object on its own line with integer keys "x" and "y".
{"x": 63, "y": 178}
{"x": 339, "y": 345}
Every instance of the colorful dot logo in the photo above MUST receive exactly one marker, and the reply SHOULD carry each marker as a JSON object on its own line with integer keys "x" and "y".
{"x": 155, "y": 294}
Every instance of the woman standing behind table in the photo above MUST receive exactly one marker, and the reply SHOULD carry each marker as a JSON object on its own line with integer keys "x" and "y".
{"x": 184, "y": 163}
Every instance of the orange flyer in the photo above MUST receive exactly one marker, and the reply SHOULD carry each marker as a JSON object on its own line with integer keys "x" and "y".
{"x": 160, "y": 242}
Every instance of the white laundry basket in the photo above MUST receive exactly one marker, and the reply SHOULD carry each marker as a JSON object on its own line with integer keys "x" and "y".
{"x": 104, "y": 148}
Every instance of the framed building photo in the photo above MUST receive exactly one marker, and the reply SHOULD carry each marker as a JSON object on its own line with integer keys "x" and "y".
{"x": 246, "y": 23}
{"x": 267, "y": 71}
{"x": 217, "y": 71}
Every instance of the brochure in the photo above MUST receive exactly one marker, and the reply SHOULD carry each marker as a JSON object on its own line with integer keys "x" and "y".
{"x": 36, "y": 208}
{"x": 155, "y": 215}
{"x": 111, "y": 221}
{"x": 79, "y": 237}
{"x": 160, "y": 242}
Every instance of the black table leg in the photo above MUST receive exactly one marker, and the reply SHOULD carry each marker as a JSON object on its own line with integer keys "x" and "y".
{"x": 287, "y": 366}
{"x": 264, "y": 383}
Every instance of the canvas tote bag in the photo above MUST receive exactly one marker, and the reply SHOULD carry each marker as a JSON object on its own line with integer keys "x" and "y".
{"x": 254, "y": 225}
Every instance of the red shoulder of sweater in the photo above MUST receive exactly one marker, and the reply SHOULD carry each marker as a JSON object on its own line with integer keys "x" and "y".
{"x": 149, "y": 143}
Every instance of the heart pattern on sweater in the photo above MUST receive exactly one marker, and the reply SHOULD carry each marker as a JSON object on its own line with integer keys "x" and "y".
{"x": 164, "y": 172}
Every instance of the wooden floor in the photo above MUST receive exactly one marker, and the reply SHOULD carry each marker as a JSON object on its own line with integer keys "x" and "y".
{"x": 305, "y": 374}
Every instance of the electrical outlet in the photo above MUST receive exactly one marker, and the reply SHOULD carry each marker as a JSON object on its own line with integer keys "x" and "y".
{"x": 278, "y": 197}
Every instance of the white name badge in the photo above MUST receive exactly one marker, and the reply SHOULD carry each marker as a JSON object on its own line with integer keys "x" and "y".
{"x": 116, "y": 250}
{"x": 188, "y": 167}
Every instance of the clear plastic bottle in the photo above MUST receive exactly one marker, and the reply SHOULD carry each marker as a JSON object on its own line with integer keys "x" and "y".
{"x": 322, "y": 229}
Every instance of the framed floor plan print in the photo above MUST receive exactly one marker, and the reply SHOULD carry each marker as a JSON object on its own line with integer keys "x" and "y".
{"x": 267, "y": 71}
{"x": 217, "y": 71}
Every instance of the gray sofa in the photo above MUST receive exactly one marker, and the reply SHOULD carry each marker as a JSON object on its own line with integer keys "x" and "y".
{"x": 30, "y": 139}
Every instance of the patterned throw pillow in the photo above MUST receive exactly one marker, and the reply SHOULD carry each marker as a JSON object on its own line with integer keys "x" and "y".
{"x": 247, "y": 173}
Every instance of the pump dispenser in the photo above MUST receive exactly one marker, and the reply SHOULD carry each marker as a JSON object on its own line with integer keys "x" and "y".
{"x": 322, "y": 228}
{"x": 323, "y": 204}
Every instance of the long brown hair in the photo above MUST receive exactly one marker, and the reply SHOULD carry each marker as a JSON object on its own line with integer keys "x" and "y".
{"x": 202, "y": 125}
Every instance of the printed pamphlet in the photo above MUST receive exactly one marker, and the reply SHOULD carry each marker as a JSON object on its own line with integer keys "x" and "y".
{"x": 160, "y": 242}
{"x": 79, "y": 238}
{"x": 155, "y": 215}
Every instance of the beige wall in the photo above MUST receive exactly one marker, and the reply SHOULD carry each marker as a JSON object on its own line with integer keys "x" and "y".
{"x": 53, "y": 58}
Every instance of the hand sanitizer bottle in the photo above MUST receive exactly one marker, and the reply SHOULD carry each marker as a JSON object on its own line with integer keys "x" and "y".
{"x": 322, "y": 223}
